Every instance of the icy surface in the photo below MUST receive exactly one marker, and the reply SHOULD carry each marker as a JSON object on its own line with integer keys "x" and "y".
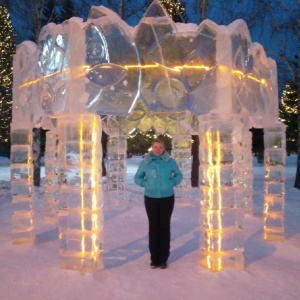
{"x": 271, "y": 269}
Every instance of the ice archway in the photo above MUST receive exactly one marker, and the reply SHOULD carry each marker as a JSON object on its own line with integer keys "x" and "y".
{"x": 178, "y": 78}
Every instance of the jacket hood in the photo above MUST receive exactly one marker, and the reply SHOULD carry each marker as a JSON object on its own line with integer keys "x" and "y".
{"x": 151, "y": 156}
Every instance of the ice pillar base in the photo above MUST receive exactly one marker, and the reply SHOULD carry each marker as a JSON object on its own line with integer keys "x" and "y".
{"x": 216, "y": 261}
{"x": 87, "y": 262}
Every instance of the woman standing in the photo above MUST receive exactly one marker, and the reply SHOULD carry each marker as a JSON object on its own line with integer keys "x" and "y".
{"x": 158, "y": 173}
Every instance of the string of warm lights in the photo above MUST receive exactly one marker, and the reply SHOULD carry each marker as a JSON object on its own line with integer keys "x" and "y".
{"x": 289, "y": 99}
{"x": 175, "y": 9}
{"x": 86, "y": 69}
{"x": 7, "y": 50}
{"x": 288, "y": 114}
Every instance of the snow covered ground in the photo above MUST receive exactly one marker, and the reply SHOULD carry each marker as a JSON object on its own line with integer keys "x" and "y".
{"x": 271, "y": 269}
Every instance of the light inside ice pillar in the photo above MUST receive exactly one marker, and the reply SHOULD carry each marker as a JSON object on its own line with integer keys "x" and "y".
{"x": 94, "y": 169}
{"x": 213, "y": 170}
{"x": 80, "y": 194}
{"x": 221, "y": 199}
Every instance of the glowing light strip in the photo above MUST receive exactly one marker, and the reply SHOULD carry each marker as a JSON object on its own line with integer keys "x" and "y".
{"x": 240, "y": 74}
{"x": 45, "y": 77}
{"x": 209, "y": 211}
{"x": 81, "y": 149}
{"x": 93, "y": 159}
{"x": 82, "y": 213}
{"x": 86, "y": 69}
{"x": 218, "y": 170}
{"x": 213, "y": 175}
{"x": 175, "y": 68}
{"x": 266, "y": 209}
{"x": 219, "y": 210}
{"x": 29, "y": 173}
{"x": 208, "y": 261}
{"x": 94, "y": 187}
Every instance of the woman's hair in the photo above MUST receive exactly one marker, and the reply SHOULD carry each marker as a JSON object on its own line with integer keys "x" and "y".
{"x": 158, "y": 140}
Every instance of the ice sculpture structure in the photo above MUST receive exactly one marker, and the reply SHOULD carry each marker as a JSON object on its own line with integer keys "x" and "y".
{"x": 182, "y": 79}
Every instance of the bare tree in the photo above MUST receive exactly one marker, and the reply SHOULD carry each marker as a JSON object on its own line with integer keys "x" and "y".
{"x": 201, "y": 7}
{"x": 126, "y": 9}
{"x": 29, "y": 16}
{"x": 121, "y": 9}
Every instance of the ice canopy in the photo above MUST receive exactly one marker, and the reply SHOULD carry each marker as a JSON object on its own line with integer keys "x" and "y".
{"x": 150, "y": 74}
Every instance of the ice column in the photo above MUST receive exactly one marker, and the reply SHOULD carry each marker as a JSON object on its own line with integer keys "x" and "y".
{"x": 51, "y": 179}
{"x": 221, "y": 245}
{"x": 275, "y": 156}
{"x": 181, "y": 152}
{"x": 116, "y": 157}
{"x": 246, "y": 171}
{"x": 116, "y": 162}
{"x": 79, "y": 155}
{"x": 22, "y": 184}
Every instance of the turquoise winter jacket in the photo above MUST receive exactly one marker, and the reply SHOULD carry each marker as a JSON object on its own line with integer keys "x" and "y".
{"x": 158, "y": 175}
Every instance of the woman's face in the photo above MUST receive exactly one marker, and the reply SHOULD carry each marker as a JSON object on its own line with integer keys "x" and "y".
{"x": 157, "y": 148}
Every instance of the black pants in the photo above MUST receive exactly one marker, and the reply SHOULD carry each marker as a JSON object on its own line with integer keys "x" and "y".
{"x": 159, "y": 212}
